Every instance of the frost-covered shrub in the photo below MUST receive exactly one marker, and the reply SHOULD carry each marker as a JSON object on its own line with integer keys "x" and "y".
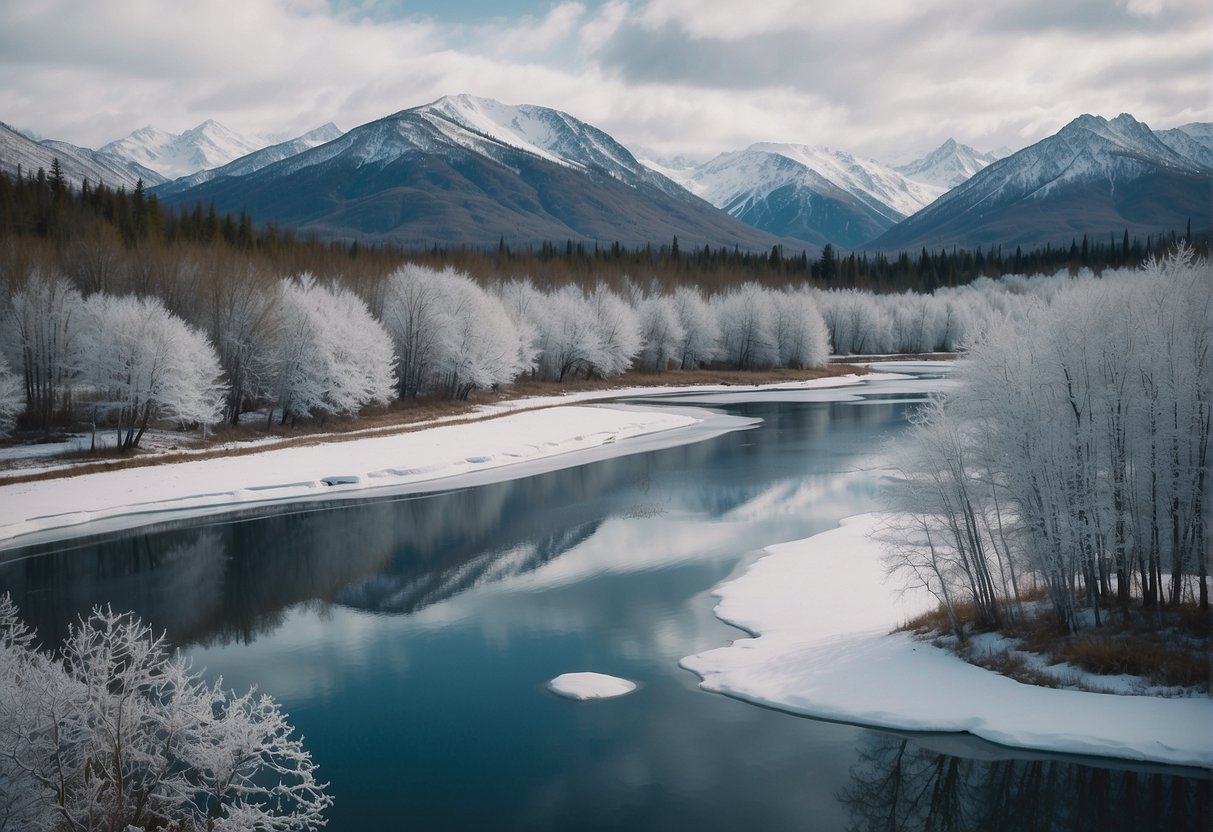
{"x": 117, "y": 732}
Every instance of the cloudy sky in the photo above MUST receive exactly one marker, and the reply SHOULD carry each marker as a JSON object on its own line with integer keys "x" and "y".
{"x": 883, "y": 78}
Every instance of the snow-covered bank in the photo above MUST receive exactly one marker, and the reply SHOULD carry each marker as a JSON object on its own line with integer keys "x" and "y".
{"x": 525, "y": 430}
{"x": 323, "y": 470}
{"x": 822, "y": 611}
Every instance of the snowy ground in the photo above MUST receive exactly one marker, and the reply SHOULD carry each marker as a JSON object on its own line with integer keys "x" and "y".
{"x": 326, "y": 469}
{"x": 821, "y": 612}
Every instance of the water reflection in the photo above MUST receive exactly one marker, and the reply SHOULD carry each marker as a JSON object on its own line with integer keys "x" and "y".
{"x": 898, "y": 785}
{"x": 207, "y": 581}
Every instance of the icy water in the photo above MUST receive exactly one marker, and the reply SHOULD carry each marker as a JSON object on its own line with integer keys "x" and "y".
{"x": 410, "y": 638}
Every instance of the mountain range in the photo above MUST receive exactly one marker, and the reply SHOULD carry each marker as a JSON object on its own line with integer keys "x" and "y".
{"x": 77, "y": 163}
{"x": 469, "y": 170}
{"x": 1093, "y": 177}
{"x": 810, "y": 193}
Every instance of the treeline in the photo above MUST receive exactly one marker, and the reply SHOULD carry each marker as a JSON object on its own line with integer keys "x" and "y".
{"x": 223, "y": 344}
{"x": 42, "y": 205}
{"x": 1073, "y": 455}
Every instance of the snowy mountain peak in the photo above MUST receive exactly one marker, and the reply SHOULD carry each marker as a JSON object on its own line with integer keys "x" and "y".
{"x": 1088, "y": 171}
{"x": 886, "y": 190}
{"x": 323, "y": 133}
{"x": 208, "y": 145}
{"x": 1192, "y": 141}
{"x": 491, "y": 129}
{"x": 947, "y": 165}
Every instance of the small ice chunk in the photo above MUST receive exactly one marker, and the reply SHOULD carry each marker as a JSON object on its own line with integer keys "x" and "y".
{"x": 581, "y": 686}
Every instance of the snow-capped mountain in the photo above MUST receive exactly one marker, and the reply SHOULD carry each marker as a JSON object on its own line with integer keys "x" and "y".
{"x": 256, "y": 160}
{"x": 549, "y": 134}
{"x": 471, "y": 170}
{"x": 77, "y": 163}
{"x": 810, "y": 193}
{"x": 1193, "y": 141}
{"x": 209, "y": 145}
{"x": 1094, "y": 176}
{"x": 947, "y": 165}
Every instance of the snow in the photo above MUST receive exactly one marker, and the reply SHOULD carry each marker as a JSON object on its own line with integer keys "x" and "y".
{"x": 290, "y": 474}
{"x": 583, "y": 686}
{"x": 947, "y": 166}
{"x": 733, "y": 181}
{"x": 209, "y": 145}
{"x": 822, "y": 612}
{"x": 859, "y": 176}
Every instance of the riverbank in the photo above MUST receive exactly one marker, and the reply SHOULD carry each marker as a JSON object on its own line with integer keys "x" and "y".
{"x": 35, "y": 457}
{"x": 499, "y": 441}
{"x": 821, "y": 613}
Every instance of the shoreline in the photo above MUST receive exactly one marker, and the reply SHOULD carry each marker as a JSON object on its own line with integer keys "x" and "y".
{"x": 817, "y": 650}
{"x": 57, "y": 464}
{"x": 511, "y": 440}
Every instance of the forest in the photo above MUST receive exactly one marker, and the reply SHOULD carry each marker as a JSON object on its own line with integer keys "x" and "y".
{"x": 121, "y": 315}
{"x": 1072, "y": 458}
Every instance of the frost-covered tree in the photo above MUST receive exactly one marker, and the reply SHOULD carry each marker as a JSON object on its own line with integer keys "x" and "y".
{"x": 525, "y": 306}
{"x": 143, "y": 363}
{"x": 569, "y": 340}
{"x": 413, "y": 317}
{"x": 856, "y": 322}
{"x": 1077, "y": 442}
{"x": 241, "y": 318}
{"x": 39, "y": 334}
{"x": 332, "y": 357}
{"x": 618, "y": 332}
{"x": 481, "y": 347}
{"x": 748, "y": 338}
{"x": 12, "y": 398}
{"x": 117, "y": 733}
{"x": 449, "y": 334}
{"x": 661, "y": 332}
{"x": 700, "y": 328}
{"x": 800, "y": 331}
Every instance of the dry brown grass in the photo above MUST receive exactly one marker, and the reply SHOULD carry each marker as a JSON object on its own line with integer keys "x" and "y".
{"x": 405, "y": 417}
{"x": 1011, "y": 664}
{"x": 1169, "y": 648}
{"x": 1111, "y": 654}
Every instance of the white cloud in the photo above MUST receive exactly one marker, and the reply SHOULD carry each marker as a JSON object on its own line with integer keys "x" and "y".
{"x": 884, "y": 78}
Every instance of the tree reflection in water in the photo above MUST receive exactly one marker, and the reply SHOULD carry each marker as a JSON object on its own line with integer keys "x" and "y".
{"x": 899, "y": 785}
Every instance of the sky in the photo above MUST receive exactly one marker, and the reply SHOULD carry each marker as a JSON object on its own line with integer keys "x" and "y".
{"x": 887, "y": 79}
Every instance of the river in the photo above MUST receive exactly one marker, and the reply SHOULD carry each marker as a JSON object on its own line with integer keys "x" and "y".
{"x": 410, "y": 636}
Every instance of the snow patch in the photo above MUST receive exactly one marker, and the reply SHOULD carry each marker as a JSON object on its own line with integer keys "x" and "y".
{"x": 583, "y": 686}
{"x": 288, "y": 474}
{"x": 822, "y": 612}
